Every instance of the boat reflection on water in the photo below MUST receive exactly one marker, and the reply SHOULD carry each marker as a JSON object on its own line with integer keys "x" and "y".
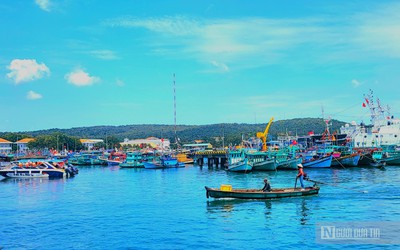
{"x": 303, "y": 212}
{"x": 228, "y": 207}
{"x": 33, "y": 185}
{"x": 34, "y": 180}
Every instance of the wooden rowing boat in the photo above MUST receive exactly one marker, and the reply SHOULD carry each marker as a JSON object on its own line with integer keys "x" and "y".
{"x": 258, "y": 194}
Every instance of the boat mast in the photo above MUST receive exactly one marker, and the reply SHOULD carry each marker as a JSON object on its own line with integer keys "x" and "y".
{"x": 369, "y": 99}
{"x": 176, "y": 138}
{"x": 327, "y": 133}
{"x": 378, "y": 118}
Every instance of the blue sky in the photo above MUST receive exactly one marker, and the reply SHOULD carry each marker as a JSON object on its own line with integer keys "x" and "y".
{"x": 71, "y": 63}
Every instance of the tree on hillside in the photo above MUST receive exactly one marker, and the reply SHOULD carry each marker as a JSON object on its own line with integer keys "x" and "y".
{"x": 57, "y": 141}
{"x": 189, "y": 133}
{"x": 112, "y": 142}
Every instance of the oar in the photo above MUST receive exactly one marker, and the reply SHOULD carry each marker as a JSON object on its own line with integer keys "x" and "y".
{"x": 320, "y": 182}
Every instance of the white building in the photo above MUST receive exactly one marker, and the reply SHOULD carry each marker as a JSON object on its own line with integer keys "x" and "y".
{"x": 22, "y": 145}
{"x": 154, "y": 142}
{"x": 89, "y": 143}
{"x": 5, "y": 146}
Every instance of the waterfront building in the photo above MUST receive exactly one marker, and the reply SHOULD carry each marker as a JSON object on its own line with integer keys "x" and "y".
{"x": 197, "y": 146}
{"x": 89, "y": 143}
{"x": 154, "y": 142}
{"x": 5, "y": 146}
{"x": 22, "y": 145}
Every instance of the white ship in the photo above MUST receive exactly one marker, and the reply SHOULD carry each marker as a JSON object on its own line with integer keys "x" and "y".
{"x": 384, "y": 128}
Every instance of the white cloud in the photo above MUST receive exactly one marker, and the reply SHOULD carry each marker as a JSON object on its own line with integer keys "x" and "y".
{"x": 104, "y": 54}
{"x": 177, "y": 25}
{"x": 43, "y": 4}
{"x": 24, "y": 70}
{"x": 233, "y": 41}
{"x": 254, "y": 42}
{"x": 33, "y": 95}
{"x": 221, "y": 66}
{"x": 355, "y": 83}
{"x": 80, "y": 78}
{"x": 119, "y": 82}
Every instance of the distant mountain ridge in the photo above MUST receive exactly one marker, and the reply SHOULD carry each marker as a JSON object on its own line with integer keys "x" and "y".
{"x": 232, "y": 132}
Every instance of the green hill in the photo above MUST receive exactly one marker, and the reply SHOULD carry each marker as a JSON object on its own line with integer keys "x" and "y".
{"x": 212, "y": 133}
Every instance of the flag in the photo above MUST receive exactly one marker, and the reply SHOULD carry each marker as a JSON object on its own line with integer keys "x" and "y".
{"x": 367, "y": 100}
{"x": 364, "y": 105}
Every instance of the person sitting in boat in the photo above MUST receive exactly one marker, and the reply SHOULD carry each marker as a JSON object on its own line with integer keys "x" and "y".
{"x": 300, "y": 175}
{"x": 267, "y": 186}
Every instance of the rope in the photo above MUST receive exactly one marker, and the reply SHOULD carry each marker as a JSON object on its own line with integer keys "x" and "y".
{"x": 320, "y": 182}
{"x": 339, "y": 162}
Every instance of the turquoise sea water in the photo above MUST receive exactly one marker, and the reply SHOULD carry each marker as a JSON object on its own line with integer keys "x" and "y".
{"x": 112, "y": 208}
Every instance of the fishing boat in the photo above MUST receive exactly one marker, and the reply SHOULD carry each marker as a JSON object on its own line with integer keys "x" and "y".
{"x": 164, "y": 161}
{"x": 73, "y": 158}
{"x": 389, "y": 154}
{"x": 350, "y": 160}
{"x": 115, "y": 158}
{"x": 323, "y": 162}
{"x": 133, "y": 160}
{"x": 155, "y": 163}
{"x": 226, "y": 191}
{"x": 285, "y": 162}
{"x": 169, "y": 161}
{"x": 260, "y": 161}
{"x": 241, "y": 166}
{"x": 95, "y": 158}
{"x": 152, "y": 165}
{"x": 184, "y": 158}
{"x": 237, "y": 162}
{"x": 367, "y": 160}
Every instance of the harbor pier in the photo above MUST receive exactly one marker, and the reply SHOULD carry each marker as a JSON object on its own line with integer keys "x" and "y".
{"x": 211, "y": 158}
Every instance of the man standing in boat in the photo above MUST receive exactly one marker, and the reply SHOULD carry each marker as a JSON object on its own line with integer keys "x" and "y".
{"x": 300, "y": 175}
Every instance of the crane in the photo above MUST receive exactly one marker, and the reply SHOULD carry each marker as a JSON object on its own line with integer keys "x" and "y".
{"x": 263, "y": 135}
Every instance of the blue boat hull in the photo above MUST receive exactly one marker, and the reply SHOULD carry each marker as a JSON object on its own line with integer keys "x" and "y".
{"x": 290, "y": 164}
{"x": 171, "y": 162}
{"x": 152, "y": 165}
{"x": 349, "y": 161}
{"x": 240, "y": 167}
{"x": 319, "y": 163}
{"x": 268, "y": 165}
